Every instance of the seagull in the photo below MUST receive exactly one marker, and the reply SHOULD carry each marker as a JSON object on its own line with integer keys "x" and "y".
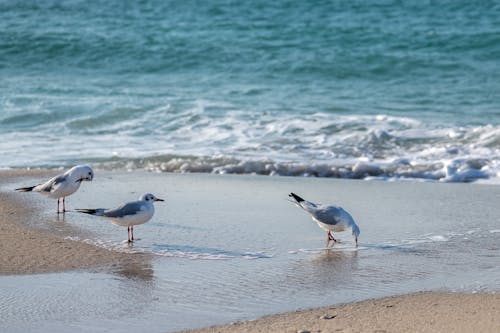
{"x": 329, "y": 218}
{"x": 62, "y": 185}
{"x": 129, "y": 214}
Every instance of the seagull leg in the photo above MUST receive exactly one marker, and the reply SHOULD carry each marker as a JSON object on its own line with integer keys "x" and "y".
{"x": 64, "y": 205}
{"x": 128, "y": 235}
{"x": 330, "y": 237}
{"x": 132, "y": 232}
{"x": 57, "y": 205}
{"x": 356, "y": 239}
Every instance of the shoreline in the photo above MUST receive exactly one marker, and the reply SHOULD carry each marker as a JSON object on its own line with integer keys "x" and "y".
{"x": 29, "y": 251}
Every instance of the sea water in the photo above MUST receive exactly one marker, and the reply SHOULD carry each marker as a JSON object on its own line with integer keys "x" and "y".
{"x": 346, "y": 89}
{"x": 223, "y": 248}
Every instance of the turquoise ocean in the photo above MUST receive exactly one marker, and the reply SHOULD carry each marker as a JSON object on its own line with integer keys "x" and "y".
{"x": 346, "y": 89}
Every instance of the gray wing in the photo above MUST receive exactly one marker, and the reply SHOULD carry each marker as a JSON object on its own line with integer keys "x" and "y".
{"x": 333, "y": 215}
{"x": 52, "y": 184}
{"x": 329, "y": 215}
{"x": 130, "y": 208}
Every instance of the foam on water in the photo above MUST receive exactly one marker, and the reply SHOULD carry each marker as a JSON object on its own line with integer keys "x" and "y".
{"x": 399, "y": 148}
{"x": 438, "y": 238}
{"x": 194, "y": 253}
{"x": 171, "y": 251}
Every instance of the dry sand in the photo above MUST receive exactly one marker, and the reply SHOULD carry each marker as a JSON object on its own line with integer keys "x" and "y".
{"x": 27, "y": 251}
{"x": 421, "y": 312}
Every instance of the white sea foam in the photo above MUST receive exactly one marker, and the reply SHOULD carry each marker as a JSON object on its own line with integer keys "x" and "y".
{"x": 316, "y": 144}
{"x": 389, "y": 148}
{"x": 123, "y": 246}
{"x": 209, "y": 255}
{"x": 439, "y": 238}
{"x": 184, "y": 252}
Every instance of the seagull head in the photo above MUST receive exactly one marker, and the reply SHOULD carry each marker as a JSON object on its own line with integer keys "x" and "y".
{"x": 149, "y": 198}
{"x": 81, "y": 173}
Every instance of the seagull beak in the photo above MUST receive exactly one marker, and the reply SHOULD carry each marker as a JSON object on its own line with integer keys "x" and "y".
{"x": 158, "y": 199}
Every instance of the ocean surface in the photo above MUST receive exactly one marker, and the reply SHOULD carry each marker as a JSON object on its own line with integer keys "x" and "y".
{"x": 346, "y": 89}
{"x": 224, "y": 248}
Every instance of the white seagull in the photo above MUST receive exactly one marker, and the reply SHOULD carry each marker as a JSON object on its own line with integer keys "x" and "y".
{"x": 329, "y": 218}
{"x": 62, "y": 185}
{"x": 129, "y": 214}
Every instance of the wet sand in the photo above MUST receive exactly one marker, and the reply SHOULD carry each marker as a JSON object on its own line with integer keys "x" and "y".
{"x": 421, "y": 312}
{"x": 28, "y": 251}
{"x": 31, "y": 251}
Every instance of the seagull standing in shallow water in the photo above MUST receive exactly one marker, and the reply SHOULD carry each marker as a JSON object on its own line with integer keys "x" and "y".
{"x": 62, "y": 185}
{"x": 329, "y": 218}
{"x": 129, "y": 214}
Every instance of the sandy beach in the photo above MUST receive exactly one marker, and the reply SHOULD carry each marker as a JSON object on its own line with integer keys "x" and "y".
{"x": 28, "y": 251}
{"x": 150, "y": 285}
{"x": 420, "y": 312}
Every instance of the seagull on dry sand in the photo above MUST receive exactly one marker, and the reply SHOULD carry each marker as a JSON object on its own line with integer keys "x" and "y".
{"x": 129, "y": 214}
{"x": 62, "y": 185}
{"x": 329, "y": 218}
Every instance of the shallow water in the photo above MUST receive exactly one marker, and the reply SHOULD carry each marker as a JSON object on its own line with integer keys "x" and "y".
{"x": 226, "y": 248}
